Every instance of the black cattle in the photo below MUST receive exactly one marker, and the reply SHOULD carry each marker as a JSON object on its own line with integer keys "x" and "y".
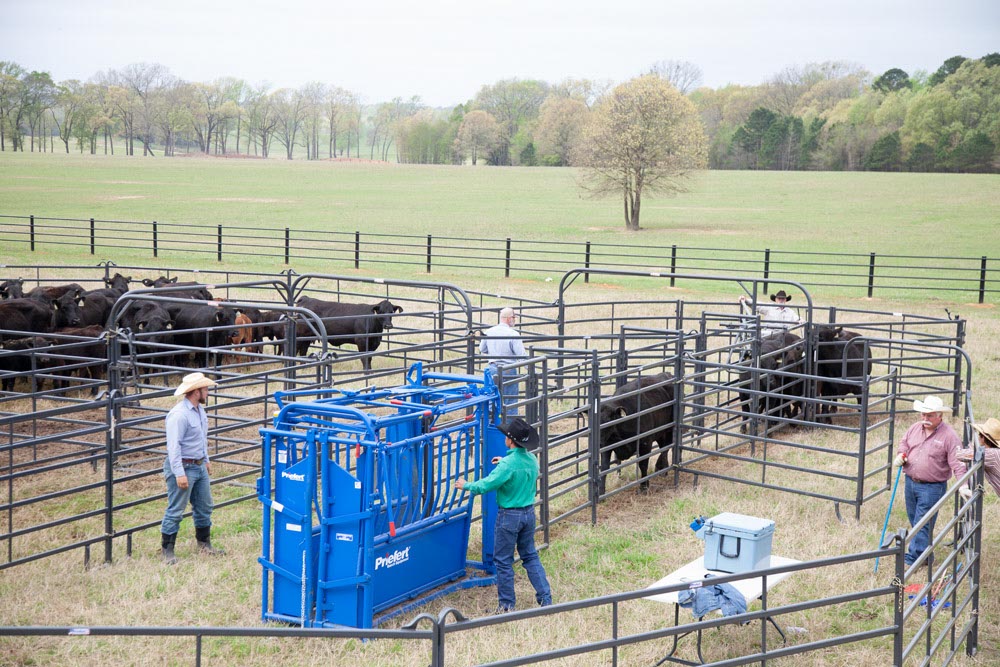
{"x": 56, "y": 291}
{"x": 39, "y": 315}
{"x": 780, "y": 351}
{"x": 197, "y": 291}
{"x": 12, "y": 289}
{"x": 151, "y": 326}
{"x": 349, "y": 324}
{"x": 118, "y": 283}
{"x": 16, "y": 358}
{"x": 80, "y": 351}
{"x": 655, "y": 425}
{"x": 204, "y": 327}
{"x": 272, "y": 327}
{"x": 835, "y": 345}
{"x": 96, "y": 307}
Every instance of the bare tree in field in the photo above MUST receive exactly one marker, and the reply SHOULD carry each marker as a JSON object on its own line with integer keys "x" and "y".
{"x": 313, "y": 96}
{"x": 66, "y": 109}
{"x": 142, "y": 80}
{"x": 290, "y": 113}
{"x": 337, "y": 103}
{"x": 209, "y": 113}
{"x": 478, "y": 134}
{"x": 683, "y": 75}
{"x": 644, "y": 137}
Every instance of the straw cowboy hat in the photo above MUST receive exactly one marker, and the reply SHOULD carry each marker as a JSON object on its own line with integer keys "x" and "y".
{"x": 990, "y": 429}
{"x": 193, "y": 381}
{"x": 780, "y": 295}
{"x": 521, "y": 432}
{"x": 930, "y": 404}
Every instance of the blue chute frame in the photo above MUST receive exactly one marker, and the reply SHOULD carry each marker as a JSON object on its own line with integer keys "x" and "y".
{"x": 360, "y": 509}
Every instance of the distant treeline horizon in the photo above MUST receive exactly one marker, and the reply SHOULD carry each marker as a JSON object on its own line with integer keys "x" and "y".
{"x": 827, "y": 116}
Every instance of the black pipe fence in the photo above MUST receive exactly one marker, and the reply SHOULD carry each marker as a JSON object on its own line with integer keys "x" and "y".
{"x": 581, "y": 354}
{"x": 859, "y": 273}
{"x": 941, "y": 631}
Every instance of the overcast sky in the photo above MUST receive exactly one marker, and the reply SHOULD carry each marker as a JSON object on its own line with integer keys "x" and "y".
{"x": 445, "y": 50}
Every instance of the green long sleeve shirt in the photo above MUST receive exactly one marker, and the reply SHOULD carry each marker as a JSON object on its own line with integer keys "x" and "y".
{"x": 513, "y": 479}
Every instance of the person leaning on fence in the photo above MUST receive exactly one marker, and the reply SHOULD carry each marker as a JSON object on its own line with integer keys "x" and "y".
{"x": 502, "y": 344}
{"x": 776, "y": 318}
{"x": 989, "y": 439}
{"x": 514, "y": 480}
{"x": 186, "y": 468}
{"x": 928, "y": 454}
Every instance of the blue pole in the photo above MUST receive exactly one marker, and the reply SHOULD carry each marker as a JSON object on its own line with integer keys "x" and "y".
{"x": 892, "y": 498}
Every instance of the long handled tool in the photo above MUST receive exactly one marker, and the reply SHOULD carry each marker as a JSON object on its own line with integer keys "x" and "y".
{"x": 892, "y": 498}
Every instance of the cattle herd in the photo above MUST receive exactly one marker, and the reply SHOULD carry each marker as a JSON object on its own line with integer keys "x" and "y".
{"x": 52, "y": 329}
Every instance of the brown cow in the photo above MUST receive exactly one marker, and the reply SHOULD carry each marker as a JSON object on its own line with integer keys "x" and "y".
{"x": 241, "y": 338}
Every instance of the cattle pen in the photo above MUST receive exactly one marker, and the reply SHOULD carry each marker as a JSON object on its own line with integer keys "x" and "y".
{"x": 726, "y": 423}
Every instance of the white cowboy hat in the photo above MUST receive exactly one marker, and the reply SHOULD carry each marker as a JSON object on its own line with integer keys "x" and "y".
{"x": 193, "y": 381}
{"x": 930, "y": 404}
{"x": 990, "y": 429}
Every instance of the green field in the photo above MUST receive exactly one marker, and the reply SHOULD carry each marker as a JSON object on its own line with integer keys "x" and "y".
{"x": 910, "y": 214}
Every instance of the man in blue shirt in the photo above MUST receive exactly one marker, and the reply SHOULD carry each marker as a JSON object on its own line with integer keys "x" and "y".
{"x": 186, "y": 467}
{"x": 514, "y": 481}
{"x": 501, "y": 344}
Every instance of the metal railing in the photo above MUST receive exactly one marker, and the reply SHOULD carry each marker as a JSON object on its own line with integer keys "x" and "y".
{"x": 854, "y": 273}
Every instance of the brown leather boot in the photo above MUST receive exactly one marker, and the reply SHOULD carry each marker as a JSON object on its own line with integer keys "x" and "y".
{"x": 204, "y": 537}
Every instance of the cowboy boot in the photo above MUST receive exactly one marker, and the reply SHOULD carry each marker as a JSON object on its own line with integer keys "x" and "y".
{"x": 204, "y": 536}
{"x": 167, "y": 548}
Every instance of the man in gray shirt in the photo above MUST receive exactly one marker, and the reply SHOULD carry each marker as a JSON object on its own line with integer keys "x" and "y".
{"x": 502, "y": 344}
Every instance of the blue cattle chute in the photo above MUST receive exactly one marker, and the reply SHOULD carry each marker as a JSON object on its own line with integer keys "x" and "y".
{"x": 360, "y": 509}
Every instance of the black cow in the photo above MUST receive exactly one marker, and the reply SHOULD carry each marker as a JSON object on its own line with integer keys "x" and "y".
{"x": 835, "y": 346}
{"x": 197, "y": 291}
{"x": 96, "y": 307}
{"x": 12, "y": 289}
{"x": 151, "y": 326}
{"x": 782, "y": 394}
{"x": 657, "y": 396}
{"x": 56, "y": 291}
{"x": 39, "y": 315}
{"x": 16, "y": 357}
{"x": 349, "y": 324}
{"x": 87, "y": 347}
{"x": 220, "y": 323}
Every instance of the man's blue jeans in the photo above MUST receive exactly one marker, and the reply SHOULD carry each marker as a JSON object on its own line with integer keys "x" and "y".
{"x": 920, "y": 497}
{"x": 510, "y": 389}
{"x": 516, "y": 527}
{"x": 198, "y": 493}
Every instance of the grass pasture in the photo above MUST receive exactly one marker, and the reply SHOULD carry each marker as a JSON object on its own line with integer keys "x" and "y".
{"x": 639, "y": 538}
{"x": 899, "y": 214}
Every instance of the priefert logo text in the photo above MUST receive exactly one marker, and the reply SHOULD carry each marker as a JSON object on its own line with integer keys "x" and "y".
{"x": 393, "y": 559}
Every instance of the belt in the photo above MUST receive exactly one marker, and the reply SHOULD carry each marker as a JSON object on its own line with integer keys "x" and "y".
{"x": 920, "y": 481}
{"x": 192, "y": 462}
{"x": 526, "y": 507}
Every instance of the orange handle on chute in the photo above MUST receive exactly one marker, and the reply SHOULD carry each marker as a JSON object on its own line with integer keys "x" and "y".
{"x": 392, "y": 529}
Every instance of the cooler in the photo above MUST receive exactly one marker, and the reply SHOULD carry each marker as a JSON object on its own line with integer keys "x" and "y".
{"x": 737, "y": 543}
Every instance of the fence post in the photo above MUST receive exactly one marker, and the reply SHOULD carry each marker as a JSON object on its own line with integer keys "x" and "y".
{"x": 586, "y": 264}
{"x": 32, "y": 233}
{"x": 506, "y": 270}
{"x": 357, "y": 250}
{"x": 155, "y": 240}
{"x": 982, "y": 280}
{"x": 673, "y": 263}
{"x": 767, "y": 267}
{"x": 871, "y": 275}
{"x": 899, "y": 602}
{"x": 428, "y": 253}
{"x": 91, "y": 236}
{"x": 220, "y": 244}
{"x": 287, "y": 243}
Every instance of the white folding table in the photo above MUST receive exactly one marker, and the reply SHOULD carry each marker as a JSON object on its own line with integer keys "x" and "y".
{"x": 694, "y": 573}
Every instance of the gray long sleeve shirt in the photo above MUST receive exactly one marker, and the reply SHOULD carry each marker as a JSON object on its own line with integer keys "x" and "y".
{"x": 502, "y": 343}
{"x": 187, "y": 435}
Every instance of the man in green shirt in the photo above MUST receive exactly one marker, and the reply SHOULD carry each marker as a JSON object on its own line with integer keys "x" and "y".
{"x": 514, "y": 480}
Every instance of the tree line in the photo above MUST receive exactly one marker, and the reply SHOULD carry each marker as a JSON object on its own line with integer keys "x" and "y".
{"x": 828, "y": 116}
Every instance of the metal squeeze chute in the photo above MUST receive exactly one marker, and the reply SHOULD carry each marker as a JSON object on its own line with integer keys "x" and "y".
{"x": 361, "y": 513}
